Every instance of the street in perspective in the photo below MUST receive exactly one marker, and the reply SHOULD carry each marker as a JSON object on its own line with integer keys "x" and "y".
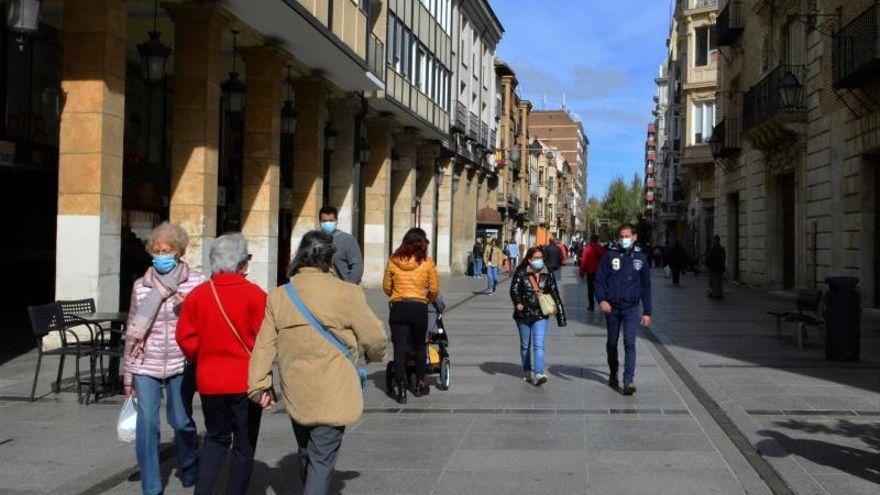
{"x": 440, "y": 246}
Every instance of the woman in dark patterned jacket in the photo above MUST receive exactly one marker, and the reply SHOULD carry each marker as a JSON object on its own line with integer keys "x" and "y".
{"x": 530, "y": 280}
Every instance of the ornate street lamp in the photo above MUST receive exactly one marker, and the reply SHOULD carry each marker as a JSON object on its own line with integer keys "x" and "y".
{"x": 233, "y": 88}
{"x": 154, "y": 54}
{"x": 716, "y": 145}
{"x": 790, "y": 91}
{"x": 330, "y": 139}
{"x": 364, "y": 150}
{"x": 23, "y": 18}
{"x": 289, "y": 113}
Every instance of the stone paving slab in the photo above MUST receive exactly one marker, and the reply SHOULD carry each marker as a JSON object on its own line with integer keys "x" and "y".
{"x": 492, "y": 433}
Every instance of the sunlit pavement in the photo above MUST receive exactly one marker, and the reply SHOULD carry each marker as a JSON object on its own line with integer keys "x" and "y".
{"x": 816, "y": 422}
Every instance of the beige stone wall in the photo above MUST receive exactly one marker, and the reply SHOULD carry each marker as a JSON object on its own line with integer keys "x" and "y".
{"x": 834, "y": 212}
{"x": 342, "y": 193}
{"x": 377, "y": 200}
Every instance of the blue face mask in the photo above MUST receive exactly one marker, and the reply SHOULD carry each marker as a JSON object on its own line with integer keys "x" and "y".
{"x": 626, "y": 242}
{"x": 164, "y": 263}
{"x": 328, "y": 227}
{"x": 537, "y": 265}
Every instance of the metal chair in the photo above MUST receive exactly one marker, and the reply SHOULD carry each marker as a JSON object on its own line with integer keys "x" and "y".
{"x": 48, "y": 318}
{"x": 101, "y": 345}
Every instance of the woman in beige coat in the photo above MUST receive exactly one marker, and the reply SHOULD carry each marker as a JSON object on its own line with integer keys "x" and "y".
{"x": 320, "y": 385}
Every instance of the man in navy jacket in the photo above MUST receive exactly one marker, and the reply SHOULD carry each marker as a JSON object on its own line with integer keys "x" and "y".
{"x": 623, "y": 289}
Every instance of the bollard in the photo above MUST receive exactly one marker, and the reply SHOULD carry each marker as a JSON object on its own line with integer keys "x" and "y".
{"x": 843, "y": 321}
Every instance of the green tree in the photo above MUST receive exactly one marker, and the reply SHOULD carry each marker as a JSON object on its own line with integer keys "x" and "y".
{"x": 622, "y": 203}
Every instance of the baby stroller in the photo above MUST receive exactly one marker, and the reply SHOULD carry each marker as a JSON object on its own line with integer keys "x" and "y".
{"x": 438, "y": 355}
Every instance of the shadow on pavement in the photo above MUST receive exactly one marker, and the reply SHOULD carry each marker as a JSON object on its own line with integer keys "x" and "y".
{"x": 857, "y": 462}
{"x": 568, "y": 372}
{"x": 285, "y": 477}
{"x": 496, "y": 368}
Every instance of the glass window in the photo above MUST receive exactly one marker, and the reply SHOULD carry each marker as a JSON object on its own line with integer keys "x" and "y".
{"x": 704, "y": 47}
{"x": 703, "y": 121}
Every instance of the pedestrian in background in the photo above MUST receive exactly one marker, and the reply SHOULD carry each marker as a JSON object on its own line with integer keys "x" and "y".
{"x": 492, "y": 256}
{"x": 320, "y": 385}
{"x": 590, "y": 259}
{"x": 513, "y": 254}
{"x": 218, "y": 326}
{"x": 478, "y": 258}
{"x": 411, "y": 283}
{"x": 152, "y": 360}
{"x": 678, "y": 260}
{"x": 623, "y": 283}
{"x": 348, "y": 262}
{"x": 553, "y": 257}
{"x": 716, "y": 262}
{"x": 531, "y": 279}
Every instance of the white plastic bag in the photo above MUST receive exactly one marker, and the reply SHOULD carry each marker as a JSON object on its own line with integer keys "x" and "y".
{"x": 126, "y": 426}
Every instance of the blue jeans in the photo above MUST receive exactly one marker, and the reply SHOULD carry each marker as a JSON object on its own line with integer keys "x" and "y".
{"x": 478, "y": 266}
{"x": 178, "y": 410}
{"x": 629, "y": 320}
{"x": 557, "y": 275}
{"x": 492, "y": 277}
{"x": 529, "y": 335}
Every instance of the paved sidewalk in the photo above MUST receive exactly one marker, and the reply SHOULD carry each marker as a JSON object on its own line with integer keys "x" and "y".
{"x": 492, "y": 433}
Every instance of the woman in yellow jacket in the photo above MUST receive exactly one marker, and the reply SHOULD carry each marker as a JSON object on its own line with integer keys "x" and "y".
{"x": 411, "y": 283}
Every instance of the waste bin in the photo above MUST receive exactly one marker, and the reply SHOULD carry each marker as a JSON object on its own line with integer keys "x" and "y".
{"x": 843, "y": 319}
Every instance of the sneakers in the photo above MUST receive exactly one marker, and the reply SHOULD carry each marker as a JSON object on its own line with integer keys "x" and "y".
{"x": 629, "y": 389}
{"x": 540, "y": 379}
{"x": 612, "y": 381}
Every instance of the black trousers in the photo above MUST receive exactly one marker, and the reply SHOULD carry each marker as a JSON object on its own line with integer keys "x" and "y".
{"x": 409, "y": 332}
{"x": 591, "y": 290}
{"x": 676, "y": 275}
{"x": 231, "y": 419}
{"x": 318, "y": 450}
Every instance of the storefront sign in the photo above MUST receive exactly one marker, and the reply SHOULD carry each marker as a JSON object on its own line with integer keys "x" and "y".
{"x": 7, "y": 154}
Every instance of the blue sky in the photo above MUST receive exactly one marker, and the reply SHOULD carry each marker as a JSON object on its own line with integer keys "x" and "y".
{"x": 604, "y": 55}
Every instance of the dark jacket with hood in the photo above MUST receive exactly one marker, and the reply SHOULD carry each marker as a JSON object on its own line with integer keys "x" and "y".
{"x": 521, "y": 292}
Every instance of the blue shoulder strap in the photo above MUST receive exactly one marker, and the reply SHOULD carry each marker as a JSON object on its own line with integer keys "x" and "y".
{"x": 320, "y": 328}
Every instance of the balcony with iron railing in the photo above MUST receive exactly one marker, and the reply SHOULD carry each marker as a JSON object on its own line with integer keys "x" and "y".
{"x": 856, "y": 50}
{"x": 459, "y": 122}
{"x": 764, "y": 101}
{"x": 493, "y": 139}
{"x": 726, "y": 140}
{"x": 473, "y": 126}
{"x": 376, "y": 56}
{"x": 729, "y": 25}
{"x": 484, "y": 135}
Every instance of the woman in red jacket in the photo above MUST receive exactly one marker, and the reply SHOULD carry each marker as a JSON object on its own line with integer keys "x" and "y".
{"x": 218, "y": 325}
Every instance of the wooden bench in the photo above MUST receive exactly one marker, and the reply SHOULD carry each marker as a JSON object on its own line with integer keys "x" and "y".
{"x": 808, "y": 312}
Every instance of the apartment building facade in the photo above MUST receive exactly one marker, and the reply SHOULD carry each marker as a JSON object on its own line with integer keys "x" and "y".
{"x": 797, "y": 143}
{"x": 561, "y": 130}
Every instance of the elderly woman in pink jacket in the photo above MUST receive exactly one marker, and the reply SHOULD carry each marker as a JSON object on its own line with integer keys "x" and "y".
{"x": 153, "y": 360}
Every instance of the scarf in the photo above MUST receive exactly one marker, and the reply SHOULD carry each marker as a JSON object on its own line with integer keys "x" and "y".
{"x": 162, "y": 286}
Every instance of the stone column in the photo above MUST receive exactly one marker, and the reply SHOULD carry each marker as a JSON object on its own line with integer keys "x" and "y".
{"x": 196, "y": 123}
{"x": 90, "y": 153}
{"x": 308, "y": 155}
{"x": 262, "y": 143}
{"x": 342, "y": 178}
{"x": 462, "y": 236}
{"x": 444, "y": 218}
{"x": 403, "y": 187}
{"x": 377, "y": 201}
{"x": 426, "y": 187}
